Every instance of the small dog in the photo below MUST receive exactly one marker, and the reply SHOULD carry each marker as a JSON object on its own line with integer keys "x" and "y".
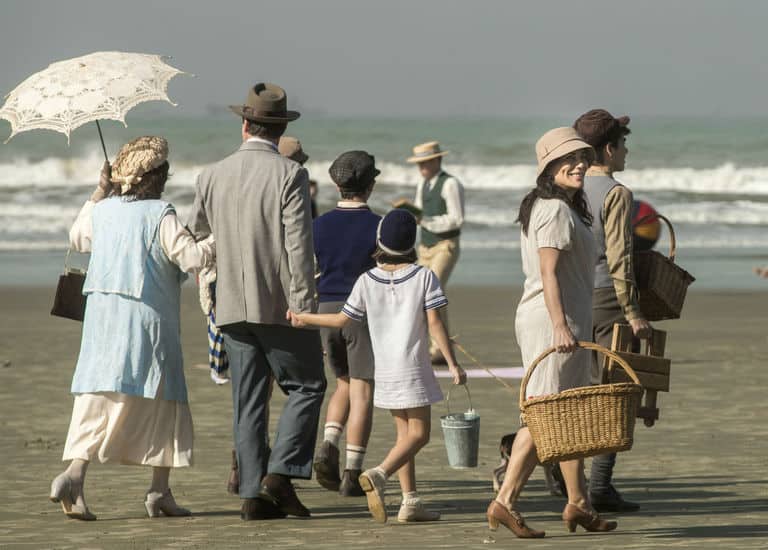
{"x": 552, "y": 476}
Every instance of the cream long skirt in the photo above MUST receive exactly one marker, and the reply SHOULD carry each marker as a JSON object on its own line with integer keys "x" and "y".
{"x": 127, "y": 429}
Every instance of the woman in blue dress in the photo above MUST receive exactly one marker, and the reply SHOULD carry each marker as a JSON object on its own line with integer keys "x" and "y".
{"x": 130, "y": 402}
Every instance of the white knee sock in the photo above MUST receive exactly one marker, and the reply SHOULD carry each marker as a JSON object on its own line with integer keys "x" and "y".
{"x": 355, "y": 456}
{"x": 332, "y": 433}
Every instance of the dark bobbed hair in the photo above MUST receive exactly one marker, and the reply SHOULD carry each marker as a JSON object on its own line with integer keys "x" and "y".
{"x": 151, "y": 186}
{"x": 546, "y": 188}
{"x": 393, "y": 259}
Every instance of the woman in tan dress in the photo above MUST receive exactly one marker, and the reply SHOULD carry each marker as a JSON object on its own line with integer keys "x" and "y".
{"x": 558, "y": 254}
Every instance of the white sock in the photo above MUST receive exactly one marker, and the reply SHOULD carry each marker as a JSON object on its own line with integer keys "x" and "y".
{"x": 410, "y": 497}
{"x": 355, "y": 456}
{"x": 332, "y": 433}
{"x": 380, "y": 470}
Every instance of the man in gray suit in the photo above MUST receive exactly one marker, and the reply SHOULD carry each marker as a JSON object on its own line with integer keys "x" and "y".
{"x": 256, "y": 204}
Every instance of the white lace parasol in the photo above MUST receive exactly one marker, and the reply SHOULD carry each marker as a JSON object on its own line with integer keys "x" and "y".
{"x": 101, "y": 85}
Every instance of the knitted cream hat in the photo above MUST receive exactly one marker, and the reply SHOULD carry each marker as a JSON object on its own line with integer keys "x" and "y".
{"x": 136, "y": 158}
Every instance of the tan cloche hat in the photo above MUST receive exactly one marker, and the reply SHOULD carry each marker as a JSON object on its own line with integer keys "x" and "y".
{"x": 291, "y": 147}
{"x": 136, "y": 158}
{"x": 265, "y": 103}
{"x": 556, "y": 144}
{"x": 426, "y": 151}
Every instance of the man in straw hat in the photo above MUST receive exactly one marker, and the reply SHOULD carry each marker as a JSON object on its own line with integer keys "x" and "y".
{"x": 440, "y": 197}
{"x": 256, "y": 203}
{"x": 615, "y": 298}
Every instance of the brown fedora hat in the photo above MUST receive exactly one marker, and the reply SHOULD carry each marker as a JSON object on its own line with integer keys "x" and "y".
{"x": 265, "y": 103}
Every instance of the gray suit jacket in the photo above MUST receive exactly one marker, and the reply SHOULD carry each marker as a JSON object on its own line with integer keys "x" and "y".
{"x": 256, "y": 204}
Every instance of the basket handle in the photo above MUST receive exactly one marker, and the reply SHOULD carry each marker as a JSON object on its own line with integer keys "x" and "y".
{"x": 672, "y": 239}
{"x": 448, "y": 398}
{"x": 586, "y": 345}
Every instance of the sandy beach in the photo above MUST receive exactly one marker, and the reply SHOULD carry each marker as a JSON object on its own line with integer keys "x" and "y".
{"x": 699, "y": 474}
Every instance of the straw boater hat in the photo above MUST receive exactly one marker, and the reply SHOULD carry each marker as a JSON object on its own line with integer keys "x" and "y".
{"x": 265, "y": 103}
{"x": 136, "y": 158}
{"x": 426, "y": 151}
{"x": 291, "y": 147}
{"x": 556, "y": 144}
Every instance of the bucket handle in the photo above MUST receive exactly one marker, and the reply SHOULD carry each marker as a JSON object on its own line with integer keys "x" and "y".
{"x": 448, "y": 398}
{"x": 586, "y": 345}
{"x": 672, "y": 240}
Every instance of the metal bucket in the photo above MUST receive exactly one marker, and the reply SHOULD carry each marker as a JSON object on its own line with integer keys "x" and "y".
{"x": 461, "y": 432}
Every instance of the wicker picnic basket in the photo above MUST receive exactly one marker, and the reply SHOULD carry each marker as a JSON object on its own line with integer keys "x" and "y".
{"x": 582, "y": 422}
{"x": 662, "y": 283}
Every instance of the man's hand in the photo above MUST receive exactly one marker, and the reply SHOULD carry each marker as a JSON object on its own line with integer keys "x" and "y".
{"x": 295, "y": 319}
{"x": 641, "y": 328}
{"x": 761, "y": 272}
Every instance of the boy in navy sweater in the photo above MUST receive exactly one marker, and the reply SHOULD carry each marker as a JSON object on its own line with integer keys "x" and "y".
{"x": 345, "y": 240}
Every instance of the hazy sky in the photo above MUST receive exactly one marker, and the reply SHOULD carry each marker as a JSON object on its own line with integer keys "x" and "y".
{"x": 434, "y": 58}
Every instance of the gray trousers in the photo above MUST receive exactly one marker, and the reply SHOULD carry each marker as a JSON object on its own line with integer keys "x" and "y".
{"x": 293, "y": 357}
{"x": 605, "y": 312}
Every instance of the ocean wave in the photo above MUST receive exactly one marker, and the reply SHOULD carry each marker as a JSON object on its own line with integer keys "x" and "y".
{"x": 726, "y": 179}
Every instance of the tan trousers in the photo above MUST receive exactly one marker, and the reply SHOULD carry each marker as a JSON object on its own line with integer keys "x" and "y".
{"x": 441, "y": 259}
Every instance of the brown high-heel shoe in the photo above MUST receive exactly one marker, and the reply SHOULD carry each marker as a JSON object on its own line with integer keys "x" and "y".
{"x": 573, "y": 515}
{"x": 499, "y": 514}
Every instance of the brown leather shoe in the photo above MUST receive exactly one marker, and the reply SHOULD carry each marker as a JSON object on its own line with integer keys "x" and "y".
{"x": 326, "y": 466}
{"x": 350, "y": 485}
{"x": 498, "y": 514}
{"x": 279, "y": 490}
{"x": 589, "y": 520}
{"x": 257, "y": 508}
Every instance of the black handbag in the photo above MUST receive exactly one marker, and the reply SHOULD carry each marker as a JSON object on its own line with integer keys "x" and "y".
{"x": 69, "y": 301}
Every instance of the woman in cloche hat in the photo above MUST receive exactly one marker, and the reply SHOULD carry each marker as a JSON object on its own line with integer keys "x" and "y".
{"x": 558, "y": 254}
{"x": 130, "y": 394}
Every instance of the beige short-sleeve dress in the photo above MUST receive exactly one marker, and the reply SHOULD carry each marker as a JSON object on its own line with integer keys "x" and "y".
{"x": 554, "y": 224}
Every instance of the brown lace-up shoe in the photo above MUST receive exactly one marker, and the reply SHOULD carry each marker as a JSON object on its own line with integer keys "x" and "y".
{"x": 279, "y": 490}
{"x": 326, "y": 466}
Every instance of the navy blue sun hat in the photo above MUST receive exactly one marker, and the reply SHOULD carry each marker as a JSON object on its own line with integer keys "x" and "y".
{"x": 396, "y": 234}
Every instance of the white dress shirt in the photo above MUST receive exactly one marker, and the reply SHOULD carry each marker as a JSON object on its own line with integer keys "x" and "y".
{"x": 175, "y": 239}
{"x": 453, "y": 195}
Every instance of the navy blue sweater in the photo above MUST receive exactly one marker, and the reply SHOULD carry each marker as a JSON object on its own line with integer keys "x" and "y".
{"x": 345, "y": 239}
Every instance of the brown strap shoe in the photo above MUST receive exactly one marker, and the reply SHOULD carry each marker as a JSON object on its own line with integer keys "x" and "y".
{"x": 589, "y": 520}
{"x": 499, "y": 514}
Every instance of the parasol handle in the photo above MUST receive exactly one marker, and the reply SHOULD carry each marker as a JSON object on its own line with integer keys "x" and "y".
{"x": 101, "y": 137}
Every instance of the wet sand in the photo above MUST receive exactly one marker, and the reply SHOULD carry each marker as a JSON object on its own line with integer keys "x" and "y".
{"x": 699, "y": 474}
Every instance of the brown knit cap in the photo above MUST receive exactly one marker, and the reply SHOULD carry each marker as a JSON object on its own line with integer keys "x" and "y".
{"x": 136, "y": 158}
{"x": 599, "y": 127}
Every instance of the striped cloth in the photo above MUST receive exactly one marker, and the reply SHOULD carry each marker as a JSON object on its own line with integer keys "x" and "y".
{"x": 217, "y": 356}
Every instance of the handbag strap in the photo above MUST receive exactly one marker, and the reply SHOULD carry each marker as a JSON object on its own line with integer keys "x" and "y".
{"x": 67, "y": 269}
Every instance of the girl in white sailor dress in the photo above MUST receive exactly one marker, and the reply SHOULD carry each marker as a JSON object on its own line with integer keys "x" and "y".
{"x": 400, "y": 301}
